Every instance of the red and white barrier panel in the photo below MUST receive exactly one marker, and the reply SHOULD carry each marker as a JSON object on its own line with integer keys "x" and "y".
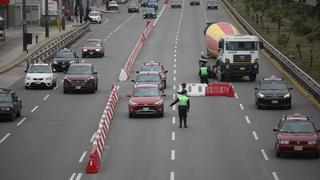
{"x": 100, "y": 140}
{"x": 211, "y": 89}
{"x": 125, "y": 72}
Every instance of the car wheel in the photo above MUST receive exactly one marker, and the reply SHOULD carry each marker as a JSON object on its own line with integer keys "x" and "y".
{"x": 65, "y": 91}
{"x": 96, "y": 87}
{"x": 165, "y": 84}
{"x": 259, "y": 106}
{"x": 289, "y": 106}
{"x": 252, "y": 77}
{"x": 26, "y": 87}
{"x": 160, "y": 114}
{"x": 131, "y": 115}
{"x": 278, "y": 154}
{"x": 12, "y": 116}
{"x": 18, "y": 113}
{"x": 316, "y": 155}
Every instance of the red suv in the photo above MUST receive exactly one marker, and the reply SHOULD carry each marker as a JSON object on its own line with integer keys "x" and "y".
{"x": 296, "y": 134}
{"x": 146, "y": 99}
{"x": 155, "y": 66}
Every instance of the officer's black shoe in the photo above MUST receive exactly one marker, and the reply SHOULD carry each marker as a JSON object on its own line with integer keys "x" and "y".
{"x": 180, "y": 126}
{"x": 185, "y": 126}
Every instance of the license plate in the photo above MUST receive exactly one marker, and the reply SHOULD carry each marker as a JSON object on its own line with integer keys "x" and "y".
{"x": 78, "y": 87}
{"x": 298, "y": 148}
{"x": 274, "y": 101}
{"x": 242, "y": 68}
{"x": 145, "y": 109}
{"x": 63, "y": 66}
{"x": 38, "y": 82}
{"x": 91, "y": 53}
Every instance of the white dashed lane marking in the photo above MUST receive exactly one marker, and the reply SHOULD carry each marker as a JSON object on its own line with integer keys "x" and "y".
{"x": 236, "y": 95}
{"x": 264, "y": 154}
{"x": 174, "y": 107}
{"x": 56, "y": 87}
{"x": 173, "y": 154}
{"x": 22, "y": 120}
{"x": 46, "y": 97}
{"x": 173, "y": 136}
{"x": 173, "y": 120}
{"x": 241, "y": 106}
{"x": 174, "y": 78}
{"x": 174, "y": 96}
{"x": 174, "y": 71}
{"x": 255, "y": 135}
{"x": 275, "y": 176}
{"x": 174, "y": 65}
{"x": 92, "y": 138}
{"x": 82, "y": 156}
{"x": 175, "y": 60}
{"x": 172, "y": 175}
{"x": 79, "y": 176}
{"x": 248, "y": 120}
{"x": 174, "y": 87}
{"x": 4, "y": 138}
{"x": 72, "y": 176}
{"x": 35, "y": 108}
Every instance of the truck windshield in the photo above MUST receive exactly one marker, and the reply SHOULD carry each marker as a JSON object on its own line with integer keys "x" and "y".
{"x": 241, "y": 46}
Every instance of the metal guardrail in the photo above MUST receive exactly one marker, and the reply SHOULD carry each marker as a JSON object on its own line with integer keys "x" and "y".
{"x": 303, "y": 78}
{"x": 46, "y": 52}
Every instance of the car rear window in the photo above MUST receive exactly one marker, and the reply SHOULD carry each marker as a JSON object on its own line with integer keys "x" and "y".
{"x": 148, "y": 78}
{"x": 145, "y": 92}
{"x": 273, "y": 85}
{"x": 151, "y": 68}
{"x": 297, "y": 127}
{"x": 39, "y": 69}
{"x": 79, "y": 70}
{"x": 64, "y": 54}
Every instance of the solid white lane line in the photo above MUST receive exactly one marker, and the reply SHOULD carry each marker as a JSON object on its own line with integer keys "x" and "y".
{"x": 241, "y": 106}
{"x": 72, "y": 176}
{"x": 236, "y": 95}
{"x": 46, "y": 97}
{"x": 4, "y": 138}
{"x": 174, "y": 107}
{"x": 105, "y": 39}
{"x": 79, "y": 176}
{"x": 174, "y": 87}
{"x": 174, "y": 71}
{"x": 275, "y": 176}
{"x": 171, "y": 175}
{"x": 248, "y": 120}
{"x": 174, "y": 78}
{"x": 173, "y": 136}
{"x": 173, "y": 120}
{"x": 82, "y": 156}
{"x": 255, "y": 135}
{"x": 23, "y": 119}
{"x": 264, "y": 154}
{"x": 173, "y": 154}
{"x": 156, "y": 21}
{"x": 35, "y": 108}
{"x": 92, "y": 138}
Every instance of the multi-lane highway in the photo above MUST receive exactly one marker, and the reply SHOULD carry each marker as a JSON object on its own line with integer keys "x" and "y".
{"x": 227, "y": 138}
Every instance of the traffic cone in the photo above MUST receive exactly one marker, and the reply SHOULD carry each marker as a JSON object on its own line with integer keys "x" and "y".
{"x": 230, "y": 92}
{"x": 93, "y": 165}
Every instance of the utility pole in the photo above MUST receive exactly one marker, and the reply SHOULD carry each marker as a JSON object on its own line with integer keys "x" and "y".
{"x": 46, "y": 20}
{"x": 24, "y": 24}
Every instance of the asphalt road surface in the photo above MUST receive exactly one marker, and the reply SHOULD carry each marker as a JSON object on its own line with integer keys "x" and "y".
{"x": 227, "y": 138}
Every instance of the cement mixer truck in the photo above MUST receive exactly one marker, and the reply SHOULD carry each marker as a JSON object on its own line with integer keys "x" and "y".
{"x": 230, "y": 54}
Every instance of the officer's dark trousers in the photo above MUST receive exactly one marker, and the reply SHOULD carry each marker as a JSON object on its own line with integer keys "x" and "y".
{"x": 182, "y": 114}
{"x": 204, "y": 79}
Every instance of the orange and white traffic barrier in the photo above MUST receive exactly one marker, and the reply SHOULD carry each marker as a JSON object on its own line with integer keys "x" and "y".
{"x": 101, "y": 136}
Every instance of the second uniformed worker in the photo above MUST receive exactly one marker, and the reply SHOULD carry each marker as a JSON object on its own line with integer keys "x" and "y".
{"x": 183, "y": 107}
{"x": 203, "y": 73}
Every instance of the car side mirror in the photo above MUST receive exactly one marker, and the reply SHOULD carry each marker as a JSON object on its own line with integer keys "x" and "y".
{"x": 133, "y": 81}
{"x": 256, "y": 88}
{"x": 163, "y": 94}
{"x": 166, "y": 71}
{"x": 275, "y": 130}
{"x": 137, "y": 71}
{"x": 25, "y": 71}
{"x": 290, "y": 88}
{"x": 95, "y": 72}
{"x": 129, "y": 95}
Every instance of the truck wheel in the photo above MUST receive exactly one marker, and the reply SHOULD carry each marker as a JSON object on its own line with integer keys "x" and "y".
{"x": 252, "y": 77}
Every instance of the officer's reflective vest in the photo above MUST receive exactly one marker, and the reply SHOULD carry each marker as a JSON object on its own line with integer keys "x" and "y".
{"x": 204, "y": 71}
{"x": 183, "y": 100}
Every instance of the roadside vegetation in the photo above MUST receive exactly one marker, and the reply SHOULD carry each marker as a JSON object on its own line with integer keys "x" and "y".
{"x": 292, "y": 27}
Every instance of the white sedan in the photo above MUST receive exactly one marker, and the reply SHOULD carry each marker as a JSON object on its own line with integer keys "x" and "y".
{"x": 40, "y": 75}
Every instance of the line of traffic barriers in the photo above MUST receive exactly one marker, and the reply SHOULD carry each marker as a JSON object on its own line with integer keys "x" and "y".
{"x": 100, "y": 139}
{"x": 211, "y": 89}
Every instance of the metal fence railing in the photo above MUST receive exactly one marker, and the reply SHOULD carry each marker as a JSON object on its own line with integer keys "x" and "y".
{"x": 303, "y": 78}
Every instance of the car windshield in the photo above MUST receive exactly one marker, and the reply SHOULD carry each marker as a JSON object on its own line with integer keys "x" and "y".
{"x": 297, "y": 127}
{"x": 151, "y": 68}
{"x": 148, "y": 78}
{"x": 5, "y": 97}
{"x": 145, "y": 92}
{"x": 94, "y": 14}
{"x": 92, "y": 43}
{"x": 64, "y": 54}
{"x": 79, "y": 70}
{"x": 113, "y": 3}
{"x": 149, "y": 10}
{"x": 241, "y": 46}
{"x": 39, "y": 69}
{"x": 273, "y": 85}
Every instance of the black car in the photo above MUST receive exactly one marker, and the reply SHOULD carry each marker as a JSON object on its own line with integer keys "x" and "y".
{"x": 149, "y": 13}
{"x": 63, "y": 58}
{"x": 272, "y": 92}
{"x": 194, "y": 2}
{"x": 10, "y": 104}
{"x": 133, "y": 7}
{"x": 212, "y": 4}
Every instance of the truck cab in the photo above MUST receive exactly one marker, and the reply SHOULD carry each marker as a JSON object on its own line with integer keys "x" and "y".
{"x": 239, "y": 56}
{"x": 2, "y": 33}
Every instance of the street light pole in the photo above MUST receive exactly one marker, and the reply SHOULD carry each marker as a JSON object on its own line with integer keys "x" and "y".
{"x": 24, "y": 24}
{"x": 46, "y": 21}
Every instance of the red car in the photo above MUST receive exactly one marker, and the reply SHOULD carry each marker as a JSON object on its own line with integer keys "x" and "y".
{"x": 146, "y": 99}
{"x": 155, "y": 66}
{"x": 93, "y": 47}
{"x": 296, "y": 134}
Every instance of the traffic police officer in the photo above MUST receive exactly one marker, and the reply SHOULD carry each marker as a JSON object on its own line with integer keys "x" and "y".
{"x": 203, "y": 73}
{"x": 183, "y": 108}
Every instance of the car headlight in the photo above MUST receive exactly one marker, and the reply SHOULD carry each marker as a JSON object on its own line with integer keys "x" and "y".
{"x": 132, "y": 102}
{"x": 55, "y": 62}
{"x": 261, "y": 95}
{"x": 158, "y": 102}
{"x": 287, "y": 95}
{"x": 71, "y": 62}
{"x": 284, "y": 142}
{"x": 98, "y": 49}
{"x": 5, "y": 108}
{"x": 28, "y": 78}
{"x": 67, "y": 79}
{"x": 85, "y": 50}
{"x": 312, "y": 142}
